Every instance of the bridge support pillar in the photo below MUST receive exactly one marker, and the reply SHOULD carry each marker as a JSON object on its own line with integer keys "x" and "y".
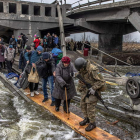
{"x": 110, "y": 42}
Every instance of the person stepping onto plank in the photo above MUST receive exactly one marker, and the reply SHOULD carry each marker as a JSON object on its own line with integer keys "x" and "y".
{"x": 63, "y": 73}
{"x": 91, "y": 75}
{"x": 46, "y": 68}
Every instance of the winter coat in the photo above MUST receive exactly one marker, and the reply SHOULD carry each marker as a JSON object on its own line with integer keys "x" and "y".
{"x": 56, "y": 40}
{"x": 57, "y": 54}
{"x": 22, "y": 60}
{"x": 34, "y": 57}
{"x": 9, "y": 54}
{"x": 63, "y": 77}
{"x": 37, "y": 42}
{"x": 49, "y": 41}
{"x": 13, "y": 41}
{"x": 71, "y": 46}
{"x": 2, "y": 54}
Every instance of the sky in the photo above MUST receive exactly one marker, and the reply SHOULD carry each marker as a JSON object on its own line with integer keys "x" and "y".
{"x": 133, "y": 36}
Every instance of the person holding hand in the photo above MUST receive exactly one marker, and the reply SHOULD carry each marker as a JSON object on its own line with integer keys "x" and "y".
{"x": 64, "y": 83}
{"x": 35, "y": 56}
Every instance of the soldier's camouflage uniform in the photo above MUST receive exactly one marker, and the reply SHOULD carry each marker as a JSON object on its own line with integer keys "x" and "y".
{"x": 91, "y": 76}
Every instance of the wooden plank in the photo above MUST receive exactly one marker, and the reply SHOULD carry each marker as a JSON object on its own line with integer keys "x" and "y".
{"x": 73, "y": 121}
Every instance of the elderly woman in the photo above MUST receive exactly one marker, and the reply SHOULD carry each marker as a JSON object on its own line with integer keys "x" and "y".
{"x": 63, "y": 73}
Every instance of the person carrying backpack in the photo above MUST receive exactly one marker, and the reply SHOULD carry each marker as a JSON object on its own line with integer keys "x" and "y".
{"x": 46, "y": 67}
{"x": 57, "y": 54}
{"x": 22, "y": 60}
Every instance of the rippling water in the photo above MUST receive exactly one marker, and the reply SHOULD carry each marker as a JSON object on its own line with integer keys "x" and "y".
{"x": 20, "y": 120}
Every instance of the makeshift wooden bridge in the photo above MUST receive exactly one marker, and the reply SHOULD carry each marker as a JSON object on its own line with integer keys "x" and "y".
{"x": 73, "y": 120}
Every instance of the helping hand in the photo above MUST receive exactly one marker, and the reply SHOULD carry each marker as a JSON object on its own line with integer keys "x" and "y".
{"x": 33, "y": 64}
{"x": 92, "y": 91}
{"x": 74, "y": 74}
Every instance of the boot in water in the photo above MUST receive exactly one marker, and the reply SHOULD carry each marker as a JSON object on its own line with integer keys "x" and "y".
{"x": 84, "y": 122}
{"x": 91, "y": 126}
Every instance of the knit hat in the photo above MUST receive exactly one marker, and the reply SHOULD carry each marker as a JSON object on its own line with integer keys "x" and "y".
{"x": 28, "y": 48}
{"x": 45, "y": 55}
{"x": 10, "y": 46}
{"x": 39, "y": 48}
{"x": 66, "y": 60}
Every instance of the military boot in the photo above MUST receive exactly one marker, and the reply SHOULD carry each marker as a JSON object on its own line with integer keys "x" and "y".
{"x": 91, "y": 126}
{"x": 84, "y": 122}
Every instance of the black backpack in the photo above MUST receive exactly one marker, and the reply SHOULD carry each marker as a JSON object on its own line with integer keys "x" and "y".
{"x": 41, "y": 68}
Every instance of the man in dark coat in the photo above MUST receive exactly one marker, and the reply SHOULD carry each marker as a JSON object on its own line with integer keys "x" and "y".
{"x": 49, "y": 42}
{"x": 63, "y": 74}
{"x": 13, "y": 42}
{"x": 47, "y": 68}
{"x": 24, "y": 40}
{"x": 22, "y": 60}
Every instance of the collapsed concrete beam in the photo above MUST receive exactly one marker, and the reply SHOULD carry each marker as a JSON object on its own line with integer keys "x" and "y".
{"x": 134, "y": 18}
{"x": 13, "y": 88}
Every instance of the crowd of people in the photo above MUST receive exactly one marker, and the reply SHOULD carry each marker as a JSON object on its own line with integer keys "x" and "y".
{"x": 45, "y": 60}
{"x": 77, "y": 45}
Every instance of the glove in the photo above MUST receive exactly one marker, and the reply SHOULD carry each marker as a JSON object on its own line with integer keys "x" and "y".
{"x": 66, "y": 86}
{"x": 91, "y": 91}
{"x": 74, "y": 74}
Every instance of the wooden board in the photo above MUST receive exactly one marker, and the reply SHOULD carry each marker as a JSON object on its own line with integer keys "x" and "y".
{"x": 73, "y": 121}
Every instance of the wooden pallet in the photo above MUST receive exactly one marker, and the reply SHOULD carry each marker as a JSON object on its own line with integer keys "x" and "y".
{"x": 73, "y": 120}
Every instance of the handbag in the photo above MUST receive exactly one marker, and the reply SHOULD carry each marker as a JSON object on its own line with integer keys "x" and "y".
{"x": 33, "y": 76}
{"x": 2, "y": 54}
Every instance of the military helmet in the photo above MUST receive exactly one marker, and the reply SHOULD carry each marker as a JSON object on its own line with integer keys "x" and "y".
{"x": 80, "y": 63}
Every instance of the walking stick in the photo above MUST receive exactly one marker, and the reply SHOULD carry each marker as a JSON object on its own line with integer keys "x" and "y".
{"x": 66, "y": 100}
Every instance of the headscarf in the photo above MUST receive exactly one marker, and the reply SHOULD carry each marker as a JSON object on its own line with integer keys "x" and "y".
{"x": 65, "y": 60}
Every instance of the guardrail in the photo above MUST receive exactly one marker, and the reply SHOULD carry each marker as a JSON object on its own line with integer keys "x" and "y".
{"x": 116, "y": 59}
{"x": 87, "y": 4}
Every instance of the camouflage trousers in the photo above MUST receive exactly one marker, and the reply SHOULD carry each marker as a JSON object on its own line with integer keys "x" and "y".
{"x": 88, "y": 110}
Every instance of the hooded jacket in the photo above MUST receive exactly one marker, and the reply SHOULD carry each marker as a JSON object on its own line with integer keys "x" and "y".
{"x": 9, "y": 54}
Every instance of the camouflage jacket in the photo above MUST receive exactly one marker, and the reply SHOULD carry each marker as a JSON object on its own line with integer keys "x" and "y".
{"x": 91, "y": 76}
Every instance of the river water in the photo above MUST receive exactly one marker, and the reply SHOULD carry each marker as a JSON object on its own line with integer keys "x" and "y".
{"x": 20, "y": 120}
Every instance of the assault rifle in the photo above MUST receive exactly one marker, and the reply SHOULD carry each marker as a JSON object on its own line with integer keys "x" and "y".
{"x": 89, "y": 86}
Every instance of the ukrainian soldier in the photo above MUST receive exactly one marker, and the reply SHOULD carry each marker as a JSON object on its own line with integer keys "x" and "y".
{"x": 91, "y": 75}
